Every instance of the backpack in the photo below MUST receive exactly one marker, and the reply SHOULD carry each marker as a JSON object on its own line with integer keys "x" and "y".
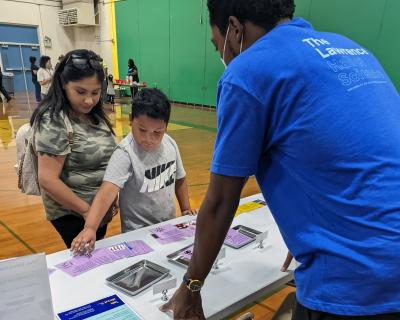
{"x": 28, "y": 180}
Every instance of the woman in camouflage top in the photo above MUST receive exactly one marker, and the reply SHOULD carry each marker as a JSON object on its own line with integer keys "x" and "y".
{"x": 71, "y": 170}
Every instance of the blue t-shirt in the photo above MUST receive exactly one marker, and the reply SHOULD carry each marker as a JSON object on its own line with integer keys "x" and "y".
{"x": 315, "y": 117}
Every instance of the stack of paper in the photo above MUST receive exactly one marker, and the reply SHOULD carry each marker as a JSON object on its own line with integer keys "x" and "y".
{"x": 81, "y": 264}
{"x": 167, "y": 233}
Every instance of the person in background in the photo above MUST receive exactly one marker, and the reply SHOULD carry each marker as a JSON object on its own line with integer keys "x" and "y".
{"x": 2, "y": 89}
{"x": 36, "y": 84}
{"x": 110, "y": 89}
{"x": 45, "y": 75}
{"x": 133, "y": 75}
{"x": 71, "y": 167}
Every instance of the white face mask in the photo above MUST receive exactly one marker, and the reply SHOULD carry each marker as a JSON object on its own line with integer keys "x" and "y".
{"x": 226, "y": 39}
{"x": 223, "y": 52}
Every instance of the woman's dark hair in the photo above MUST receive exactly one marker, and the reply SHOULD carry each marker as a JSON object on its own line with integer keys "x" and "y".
{"x": 131, "y": 63}
{"x": 263, "y": 13}
{"x": 43, "y": 61}
{"x": 32, "y": 59}
{"x": 76, "y": 65}
{"x": 152, "y": 103}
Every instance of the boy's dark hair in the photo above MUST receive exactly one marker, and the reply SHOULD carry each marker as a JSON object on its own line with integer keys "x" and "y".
{"x": 131, "y": 63}
{"x": 32, "y": 59}
{"x": 152, "y": 103}
{"x": 43, "y": 61}
{"x": 263, "y": 13}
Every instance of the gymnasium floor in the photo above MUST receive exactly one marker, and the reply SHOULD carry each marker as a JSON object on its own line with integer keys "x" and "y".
{"x": 23, "y": 228}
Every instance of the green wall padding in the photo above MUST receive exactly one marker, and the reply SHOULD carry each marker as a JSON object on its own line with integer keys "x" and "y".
{"x": 388, "y": 50}
{"x": 170, "y": 40}
{"x": 187, "y": 40}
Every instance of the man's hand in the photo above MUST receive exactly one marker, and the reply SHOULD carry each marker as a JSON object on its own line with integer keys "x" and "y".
{"x": 185, "y": 305}
{"x": 287, "y": 262}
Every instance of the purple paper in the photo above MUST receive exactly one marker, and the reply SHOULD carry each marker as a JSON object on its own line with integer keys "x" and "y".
{"x": 167, "y": 231}
{"x": 139, "y": 247}
{"x": 51, "y": 270}
{"x": 103, "y": 256}
{"x": 77, "y": 265}
{"x": 236, "y": 239}
{"x": 189, "y": 232}
{"x": 188, "y": 229}
{"x": 121, "y": 250}
{"x": 80, "y": 264}
{"x": 167, "y": 234}
{"x": 187, "y": 253}
{"x": 169, "y": 240}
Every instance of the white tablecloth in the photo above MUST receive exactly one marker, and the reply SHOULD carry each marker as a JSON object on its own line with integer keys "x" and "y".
{"x": 244, "y": 276}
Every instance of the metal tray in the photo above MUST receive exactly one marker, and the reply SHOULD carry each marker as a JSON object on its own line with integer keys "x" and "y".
{"x": 176, "y": 257}
{"x": 251, "y": 233}
{"x": 137, "y": 277}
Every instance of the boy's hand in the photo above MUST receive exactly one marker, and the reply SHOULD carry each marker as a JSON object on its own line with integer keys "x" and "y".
{"x": 84, "y": 241}
{"x": 190, "y": 212}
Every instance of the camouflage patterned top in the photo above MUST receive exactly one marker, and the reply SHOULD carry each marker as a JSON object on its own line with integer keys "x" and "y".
{"x": 86, "y": 160}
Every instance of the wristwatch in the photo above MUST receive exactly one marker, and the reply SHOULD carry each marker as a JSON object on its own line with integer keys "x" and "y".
{"x": 192, "y": 284}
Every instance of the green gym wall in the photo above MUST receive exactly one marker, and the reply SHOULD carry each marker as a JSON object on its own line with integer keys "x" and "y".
{"x": 170, "y": 40}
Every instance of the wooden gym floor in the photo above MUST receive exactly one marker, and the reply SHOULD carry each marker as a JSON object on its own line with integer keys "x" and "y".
{"x": 23, "y": 228}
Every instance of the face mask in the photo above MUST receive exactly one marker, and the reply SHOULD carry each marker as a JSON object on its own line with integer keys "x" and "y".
{"x": 223, "y": 52}
{"x": 226, "y": 39}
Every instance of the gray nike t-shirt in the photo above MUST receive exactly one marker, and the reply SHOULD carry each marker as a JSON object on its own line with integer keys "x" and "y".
{"x": 147, "y": 181}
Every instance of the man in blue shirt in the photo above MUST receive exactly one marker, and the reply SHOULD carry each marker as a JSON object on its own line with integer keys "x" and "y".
{"x": 317, "y": 121}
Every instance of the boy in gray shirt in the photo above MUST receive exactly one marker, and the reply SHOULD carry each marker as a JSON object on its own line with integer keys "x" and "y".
{"x": 146, "y": 170}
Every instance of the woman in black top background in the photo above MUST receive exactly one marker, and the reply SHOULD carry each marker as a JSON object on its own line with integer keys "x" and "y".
{"x": 133, "y": 72}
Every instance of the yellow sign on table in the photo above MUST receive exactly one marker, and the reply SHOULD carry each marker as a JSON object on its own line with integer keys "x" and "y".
{"x": 250, "y": 206}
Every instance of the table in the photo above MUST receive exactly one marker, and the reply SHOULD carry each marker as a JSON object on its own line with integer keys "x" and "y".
{"x": 245, "y": 275}
{"x": 122, "y": 87}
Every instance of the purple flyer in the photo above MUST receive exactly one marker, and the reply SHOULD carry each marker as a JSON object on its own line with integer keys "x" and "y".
{"x": 236, "y": 239}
